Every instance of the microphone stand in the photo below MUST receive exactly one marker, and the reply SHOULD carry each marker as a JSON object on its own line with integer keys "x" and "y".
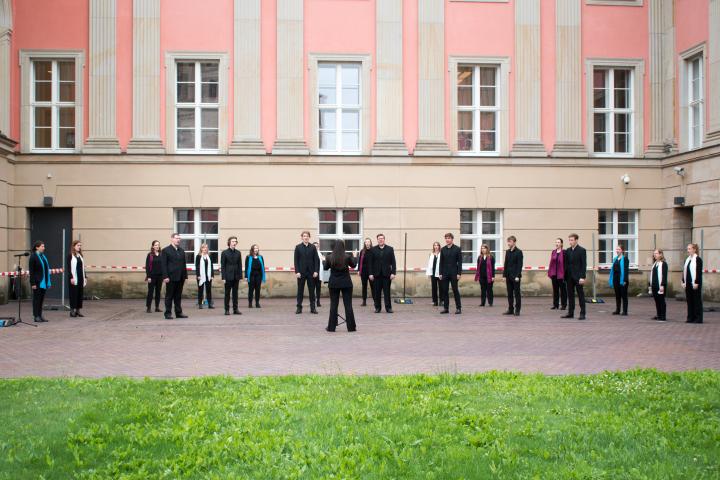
{"x": 18, "y": 281}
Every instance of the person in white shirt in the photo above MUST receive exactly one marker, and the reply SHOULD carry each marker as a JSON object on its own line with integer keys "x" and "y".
{"x": 658, "y": 284}
{"x": 204, "y": 271}
{"x": 692, "y": 283}
{"x": 433, "y": 271}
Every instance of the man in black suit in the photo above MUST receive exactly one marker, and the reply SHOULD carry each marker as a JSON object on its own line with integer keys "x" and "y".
{"x": 174, "y": 272}
{"x": 512, "y": 271}
{"x": 307, "y": 267}
{"x": 382, "y": 272}
{"x": 450, "y": 271}
{"x": 575, "y": 271}
{"x": 231, "y": 273}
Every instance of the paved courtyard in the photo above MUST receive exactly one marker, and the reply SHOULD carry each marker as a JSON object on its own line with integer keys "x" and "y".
{"x": 119, "y": 338}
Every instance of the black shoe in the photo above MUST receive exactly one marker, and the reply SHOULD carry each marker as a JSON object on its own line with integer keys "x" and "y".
{"x": 616, "y": 312}
{"x": 517, "y": 314}
{"x": 363, "y": 304}
{"x": 227, "y": 312}
{"x": 445, "y": 310}
{"x": 377, "y": 310}
{"x": 624, "y": 314}
{"x": 318, "y": 304}
{"x": 489, "y": 304}
{"x": 180, "y": 315}
{"x": 72, "y": 313}
{"x": 655, "y": 318}
{"x": 482, "y": 304}
{"x": 157, "y": 310}
{"x": 236, "y": 311}
{"x": 298, "y": 310}
{"x": 564, "y": 307}
{"x": 581, "y": 317}
{"x": 200, "y": 306}
{"x": 312, "y": 310}
{"x": 78, "y": 314}
{"x": 257, "y": 305}
{"x": 569, "y": 315}
{"x": 662, "y": 319}
{"x": 352, "y": 330}
{"x": 168, "y": 316}
{"x": 327, "y": 329}
{"x": 37, "y": 320}
{"x": 553, "y": 308}
{"x": 435, "y": 304}
{"x": 508, "y": 312}
{"x": 458, "y": 311}
{"x": 211, "y": 306}
{"x": 147, "y": 310}
{"x": 389, "y": 310}
{"x": 250, "y": 305}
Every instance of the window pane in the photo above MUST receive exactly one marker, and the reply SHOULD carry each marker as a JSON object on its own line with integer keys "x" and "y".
{"x": 326, "y": 245}
{"x": 350, "y": 75}
{"x": 209, "y": 139}
{"x": 352, "y": 245}
{"x": 42, "y": 117}
{"x": 695, "y": 84}
{"x": 464, "y": 76}
{"x": 487, "y": 96}
{"x": 42, "y": 138}
{"x": 493, "y": 244}
{"x": 468, "y": 250}
{"x": 327, "y": 141}
{"x": 622, "y": 98}
{"x": 188, "y": 244}
{"x": 184, "y": 215}
{"x": 623, "y": 216}
{"x": 487, "y": 141}
{"x": 489, "y": 216}
{"x": 208, "y": 215}
{"x": 465, "y": 96}
{"x": 209, "y": 118}
{"x": 66, "y": 138}
{"x": 622, "y": 143}
{"x": 487, "y": 121}
{"x": 351, "y": 228}
{"x": 209, "y": 228}
{"x": 600, "y": 142}
{"x": 66, "y": 71}
{"x": 185, "y": 228}
{"x": 67, "y": 117}
{"x": 351, "y": 96}
{"x": 351, "y": 141}
{"x": 465, "y": 120}
{"x": 186, "y": 117}
{"x": 351, "y": 215}
{"x": 209, "y": 72}
{"x": 43, "y": 70}
{"x": 186, "y": 72}
{"x": 67, "y": 92}
{"x": 466, "y": 215}
{"x": 605, "y": 251}
{"x": 351, "y": 120}
{"x": 327, "y": 96}
{"x": 327, "y": 119}
{"x": 327, "y": 228}
{"x": 465, "y": 141}
{"x": 326, "y": 74}
{"x": 599, "y": 98}
{"x": 186, "y": 92}
{"x": 328, "y": 215}
{"x": 487, "y": 76}
{"x": 622, "y": 78}
{"x": 600, "y": 122}
{"x": 186, "y": 139}
{"x": 209, "y": 93}
{"x": 43, "y": 91}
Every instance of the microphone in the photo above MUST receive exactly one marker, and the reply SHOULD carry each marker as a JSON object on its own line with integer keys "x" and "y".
{"x": 24, "y": 254}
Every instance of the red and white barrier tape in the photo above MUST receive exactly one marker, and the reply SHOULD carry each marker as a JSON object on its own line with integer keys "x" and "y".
{"x": 25, "y": 272}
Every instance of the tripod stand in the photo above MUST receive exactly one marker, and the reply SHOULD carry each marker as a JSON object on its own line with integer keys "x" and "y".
{"x": 18, "y": 282}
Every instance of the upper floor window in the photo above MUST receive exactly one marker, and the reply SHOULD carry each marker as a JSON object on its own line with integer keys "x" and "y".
{"x": 197, "y": 106}
{"x": 613, "y": 113}
{"x": 478, "y": 227}
{"x": 53, "y": 102}
{"x": 617, "y": 227}
{"x": 477, "y": 109}
{"x": 695, "y": 101}
{"x": 340, "y": 107}
{"x": 340, "y": 224}
{"x": 195, "y": 227}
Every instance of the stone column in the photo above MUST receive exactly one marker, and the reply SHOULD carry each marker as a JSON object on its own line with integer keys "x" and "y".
{"x": 102, "y": 137}
{"x": 568, "y": 80}
{"x": 662, "y": 78}
{"x": 712, "y": 137}
{"x": 432, "y": 71}
{"x": 528, "y": 140}
{"x": 290, "y": 92}
{"x": 5, "y": 37}
{"x": 246, "y": 80}
{"x": 389, "y": 83}
{"x": 146, "y": 78}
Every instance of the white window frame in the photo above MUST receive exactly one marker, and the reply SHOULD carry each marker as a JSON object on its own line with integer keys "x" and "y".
{"x": 365, "y": 62}
{"x": 27, "y": 134}
{"x": 479, "y": 237}
{"x": 171, "y": 61}
{"x": 616, "y": 3}
{"x": 615, "y": 236}
{"x": 476, "y": 109}
{"x": 502, "y": 124}
{"x": 339, "y": 219}
{"x": 198, "y": 107}
{"x": 198, "y": 237}
{"x": 685, "y": 93}
{"x": 637, "y": 67}
{"x": 611, "y": 110}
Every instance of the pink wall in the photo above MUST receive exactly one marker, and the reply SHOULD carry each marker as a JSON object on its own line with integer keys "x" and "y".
{"x": 124, "y": 72}
{"x": 410, "y": 73}
{"x": 268, "y": 42}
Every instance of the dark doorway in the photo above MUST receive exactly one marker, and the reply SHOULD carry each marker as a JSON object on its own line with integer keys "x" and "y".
{"x": 47, "y": 224}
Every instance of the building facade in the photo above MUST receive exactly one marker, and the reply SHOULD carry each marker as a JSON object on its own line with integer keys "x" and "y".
{"x": 125, "y": 120}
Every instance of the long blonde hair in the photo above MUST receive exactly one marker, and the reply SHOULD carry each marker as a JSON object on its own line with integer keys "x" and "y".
{"x": 205, "y": 246}
{"x": 661, "y": 254}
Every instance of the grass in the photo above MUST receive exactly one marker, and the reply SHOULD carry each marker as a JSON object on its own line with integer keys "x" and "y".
{"x": 639, "y": 424}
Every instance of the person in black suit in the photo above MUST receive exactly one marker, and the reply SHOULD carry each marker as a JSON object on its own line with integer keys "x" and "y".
{"x": 575, "y": 271}
{"x": 39, "y": 273}
{"x": 174, "y": 271}
{"x": 658, "y": 284}
{"x": 692, "y": 283}
{"x": 450, "y": 271}
{"x": 231, "y": 272}
{"x": 512, "y": 271}
{"x": 307, "y": 267}
{"x": 382, "y": 272}
{"x": 339, "y": 264}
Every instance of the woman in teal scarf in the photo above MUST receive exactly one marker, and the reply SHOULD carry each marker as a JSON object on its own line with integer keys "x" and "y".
{"x": 619, "y": 279}
{"x": 39, "y": 272}
{"x": 255, "y": 274}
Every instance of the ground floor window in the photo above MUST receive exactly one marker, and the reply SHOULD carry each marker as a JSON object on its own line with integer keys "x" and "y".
{"x": 478, "y": 227}
{"x": 617, "y": 227}
{"x": 197, "y": 226}
{"x": 339, "y": 224}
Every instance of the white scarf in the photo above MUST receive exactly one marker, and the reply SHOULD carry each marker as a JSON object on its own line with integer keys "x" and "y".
{"x": 429, "y": 270}
{"x": 693, "y": 268}
{"x": 658, "y": 265}
{"x": 205, "y": 273}
{"x": 73, "y": 269}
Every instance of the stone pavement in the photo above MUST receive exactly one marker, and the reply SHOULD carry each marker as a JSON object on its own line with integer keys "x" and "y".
{"x": 117, "y": 337}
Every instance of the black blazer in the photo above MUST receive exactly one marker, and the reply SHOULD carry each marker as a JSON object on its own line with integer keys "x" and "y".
{"x": 576, "y": 263}
{"x": 307, "y": 260}
{"x": 153, "y": 267}
{"x": 655, "y": 282}
{"x": 382, "y": 263}
{"x": 450, "y": 261}
{"x": 35, "y": 269}
{"x": 172, "y": 261}
{"x": 340, "y": 278}
{"x": 698, "y": 273}
{"x": 197, "y": 267}
{"x": 513, "y": 266}
{"x": 231, "y": 265}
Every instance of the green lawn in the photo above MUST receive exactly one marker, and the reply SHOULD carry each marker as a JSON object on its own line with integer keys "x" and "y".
{"x": 640, "y": 424}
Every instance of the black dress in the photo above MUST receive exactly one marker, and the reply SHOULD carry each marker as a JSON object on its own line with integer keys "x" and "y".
{"x": 77, "y": 291}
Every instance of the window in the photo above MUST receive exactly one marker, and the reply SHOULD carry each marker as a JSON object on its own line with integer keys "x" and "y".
{"x": 53, "y": 105}
{"x": 339, "y": 107}
{"x": 477, "y": 109}
{"x": 197, "y": 226}
{"x": 617, "y": 227}
{"x": 613, "y": 114}
{"x": 197, "y": 106}
{"x": 343, "y": 225}
{"x": 478, "y": 227}
{"x": 695, "y": 97}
